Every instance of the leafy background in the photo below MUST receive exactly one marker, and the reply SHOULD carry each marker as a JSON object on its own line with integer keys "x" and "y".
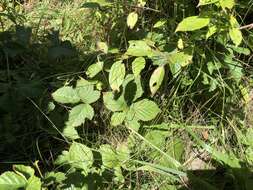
{"x": 126, "y": 94}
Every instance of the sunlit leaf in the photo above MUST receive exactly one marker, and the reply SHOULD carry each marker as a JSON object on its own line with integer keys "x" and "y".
{"x": 94, "y": 69}
{"x": 80, "y": 156}
{"x": 117, "y": 118}
{"x": 66, "y": 95}
{"x": 156, "y": 79}
{"x": 86, "y": 92}
{"x": 114, "y": 104}
{"x": 102, "y": 46}
{"x": 227, "y": 4}
{"x": 144, "y": 110}
{"x": 139, "y": 48}
{"x": 192, "y": 23}
{"x": 117, "y": 75}
{"x": 34, "y": 183}
{"x": 207, "y": 2}
{"x": 12, "y": 181}
{"x": 79, "y": 114}
{"x": 138, "y": 65}
{"x": 132, "y": 19}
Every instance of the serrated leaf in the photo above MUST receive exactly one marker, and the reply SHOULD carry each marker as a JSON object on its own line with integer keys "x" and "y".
{"x": 114, "y": 104}
{"x": 80, "y": 156}
{"x": 138, "y": 65}
{"x": 192, "y": 23}
{"x": 132, "y": 19}
{"x": 109, "y": 156}
{"x": 66, "y": 95}
{"x": 12, "y": 181}
{"x": 117, "y": 75}
{"x": 94, "y": 69}
{"x": 34, "y": 183}
{"x": 156, "y": 79}
{"x": 139, "y": 48}
{"x": 26, "y": 171}
{"x": 86, "y": 92}
{"x": 207, "y": 2}
{"x": 133, "y": 124}
{"x": 57, "y": 177}
{"x": 70, "y": 132}
{"x": 118, "y": 118}
{"x": 78, "y": 114}
{"x": 144, "y": 110}
{"x": 227, "y": 4}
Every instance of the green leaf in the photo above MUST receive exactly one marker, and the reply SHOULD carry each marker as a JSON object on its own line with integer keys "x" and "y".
{"x": 211, "y": 31}
{"x": 33, "y": 183}
{"x": 12, "y": 181}
{"x": 240, "y": 50}
{"x": 132, "y": 88}
{"x": 235, "y": 32}
{"x": 94, "y": 69}
{"x": 207, "y": 2}
{"x": 118, "y": 118}
{"x": 192, "y": 23}
{"x": 86, "y": 92}
{"x": 160, "y": 23}
{"x": 80, "y": 157}
{"x": 133, "y": 124}
{"x": 57, "y": 177}
{"x": 102, "y": 46}
{"x": 139, "y": 48}
{"x": 235, "y": 35}
{"x": 138, "y": 65}
{"x": 156, "y": 79}
{"x": 144, "y": 110}
{"x": 112, "y": 104}
{"x": 70, "y": 132}
{"x": 78, "y": 114}
{"x": 117, "y": 75}
{"x": 109, "y": 156}
{"x": 227, "y": 4}
{"x": 66, "y": 95}
{"x": 25, "y": 171}
{"x": 132, "y": 19}
{"x": 123, "y": 155}
{"x": 183, "y": 58}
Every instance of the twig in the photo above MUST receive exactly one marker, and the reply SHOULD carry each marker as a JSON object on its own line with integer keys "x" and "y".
{"x": 249, "y": 26}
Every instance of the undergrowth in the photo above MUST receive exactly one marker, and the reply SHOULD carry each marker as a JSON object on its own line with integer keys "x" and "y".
{"x": 126, "y": 94}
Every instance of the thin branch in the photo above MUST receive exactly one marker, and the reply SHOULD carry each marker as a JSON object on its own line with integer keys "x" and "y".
{"x": 249, "y": 26}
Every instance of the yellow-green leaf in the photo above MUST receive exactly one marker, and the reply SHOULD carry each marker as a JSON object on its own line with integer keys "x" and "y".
{"x": 132, "y": 19}
{"x": 235, "y": 32}
{"x": 117, "y": 75}
{"x": 138, "y": 65}
{"x": 227, "y": 4}
{"x": 211, "y": 31}
{"x": 79, "y": 113}
{"x": 207, "y": 2}
{"x": 102, "y": 46}
{"x": 156, "y": 79}
{"x": 193, "y": 23}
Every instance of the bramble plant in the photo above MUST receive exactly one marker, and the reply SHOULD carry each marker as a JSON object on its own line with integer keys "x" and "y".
{"x": 165, "y": 77}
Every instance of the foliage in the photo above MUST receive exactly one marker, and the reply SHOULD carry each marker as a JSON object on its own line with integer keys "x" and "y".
{"x": 129, "y": 97}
